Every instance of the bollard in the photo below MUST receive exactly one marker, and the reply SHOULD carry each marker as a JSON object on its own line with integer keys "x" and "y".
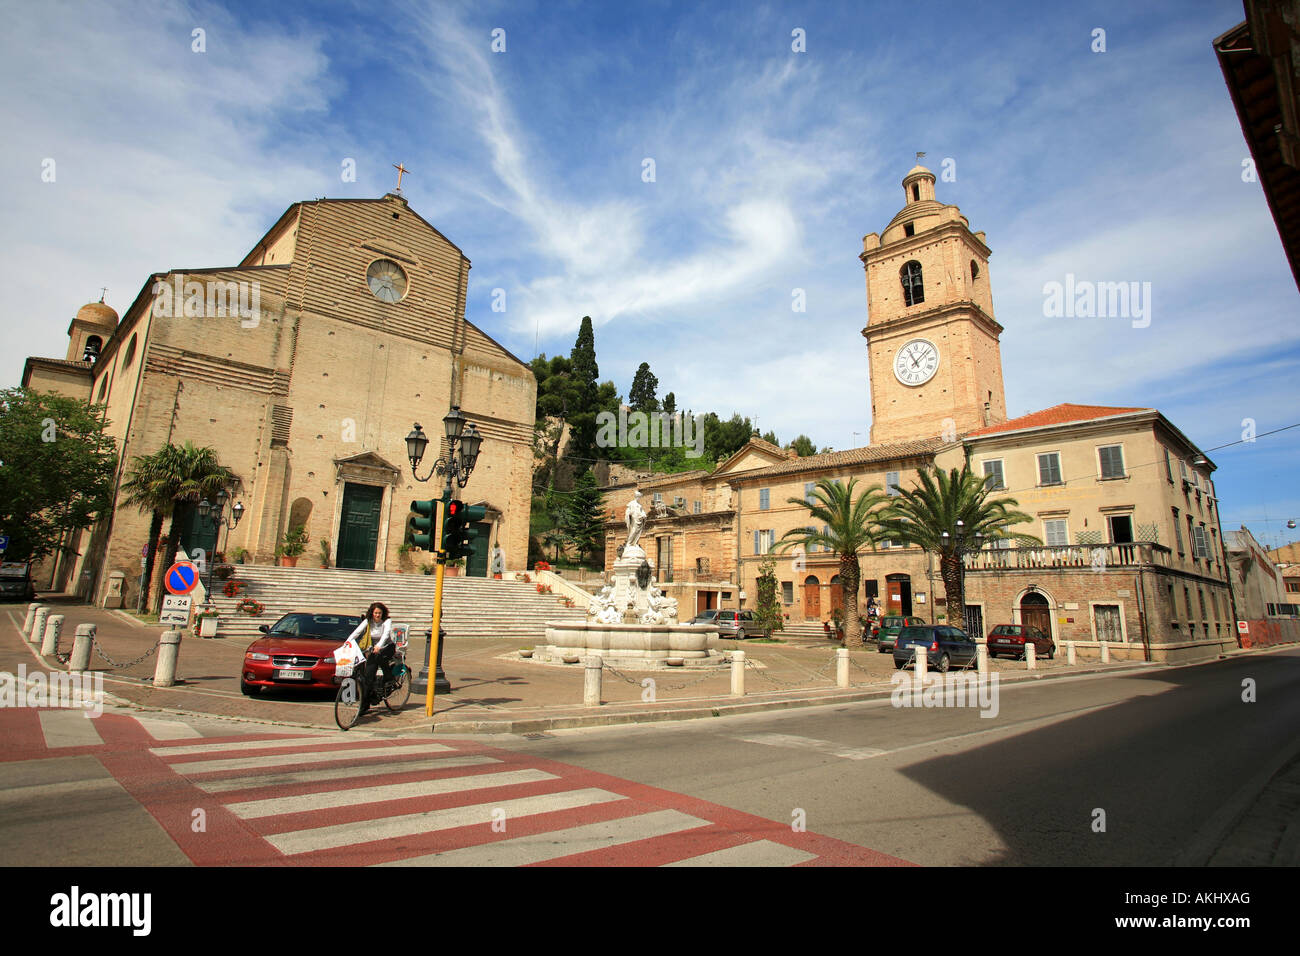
{"x": 1031, "y": 656}
{"x": 81, "y": 645}
{"x": 737, "y": 673}
{"x": 164, "y": 674}
{"x": 842, "y": 667}
{"x": 38, "y": 624}
{"x": 27, "y": 621}
{"x": 53, "y": 628}
{"x": 1105, "y": 653}
{"x": 982, "y": 656}
{"x": 922, "y": 661}
{"x": 1069, "y": 653}
{"x": 591, "y": 681}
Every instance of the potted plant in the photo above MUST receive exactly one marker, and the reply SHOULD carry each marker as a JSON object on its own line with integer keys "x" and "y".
{"x": 294, "y": 544}
{"x": 240, "y": 555}
{"x": 206, "y": 621}
{"x": 454, "y": 567}
{"x": 324, "y": 553}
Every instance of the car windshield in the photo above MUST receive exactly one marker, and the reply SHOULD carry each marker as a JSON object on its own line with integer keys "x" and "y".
{"x": 325, "y": 627}
{"x": 893, "y": 622}
{"x": 914, "y": 633}
{"x": 706, "y": 615}
{"x": 1013, "y": 630}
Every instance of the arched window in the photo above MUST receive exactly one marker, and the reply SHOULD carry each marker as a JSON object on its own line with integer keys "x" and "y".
{"x": 974, "y": 270}
{"x": 93, "y": 346}
{"x": 913, "y": 290}
{"x": 130, "y": 354}
{"x": 916, "y": 192}
{"x": 103, "y": 389}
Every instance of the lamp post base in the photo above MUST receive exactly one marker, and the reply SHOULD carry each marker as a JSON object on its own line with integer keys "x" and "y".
{"x": 420, "y": 683}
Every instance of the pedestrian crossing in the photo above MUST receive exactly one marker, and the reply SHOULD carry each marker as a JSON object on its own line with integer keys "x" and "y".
{"x": 333, "y": 799}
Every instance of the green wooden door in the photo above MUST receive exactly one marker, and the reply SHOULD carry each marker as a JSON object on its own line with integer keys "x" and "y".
{"x": 359, "y": 526}
{"x": 196, "y": 532}
{"x": 476, "y": 565}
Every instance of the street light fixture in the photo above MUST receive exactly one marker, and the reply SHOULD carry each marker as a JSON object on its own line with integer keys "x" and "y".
{"x": 215, "y": 515}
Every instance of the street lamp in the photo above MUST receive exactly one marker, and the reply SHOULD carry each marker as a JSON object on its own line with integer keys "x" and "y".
{"x": 463, "y": 444}
{"x": 215, "y": 515}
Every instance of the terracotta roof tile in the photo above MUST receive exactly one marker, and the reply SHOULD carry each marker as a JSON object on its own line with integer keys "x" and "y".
{"x": 1056, "y": 415}
{"x": 871, "y": 454}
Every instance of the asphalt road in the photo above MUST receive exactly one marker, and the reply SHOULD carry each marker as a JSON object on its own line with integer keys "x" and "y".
{"x": 1175, "y": 759}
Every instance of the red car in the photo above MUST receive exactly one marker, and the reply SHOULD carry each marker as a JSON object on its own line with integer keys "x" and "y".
{"x": 297, "y": 651}
{"x": 1010, "y": 639}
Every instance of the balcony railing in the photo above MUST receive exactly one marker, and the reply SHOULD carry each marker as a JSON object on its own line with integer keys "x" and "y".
{"x": 1082, "y": 556}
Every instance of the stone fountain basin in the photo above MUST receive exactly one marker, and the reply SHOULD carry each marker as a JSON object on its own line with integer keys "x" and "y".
{"x": 632, "y": 641}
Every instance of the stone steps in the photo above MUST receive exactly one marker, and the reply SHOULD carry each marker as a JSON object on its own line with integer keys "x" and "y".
{"x": 472, "y": 607}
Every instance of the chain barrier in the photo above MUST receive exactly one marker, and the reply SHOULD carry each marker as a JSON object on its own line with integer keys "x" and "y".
{"x": 762, "y": 672}
{"x": 128, "y": 664}
{"x": 636, "y": 682}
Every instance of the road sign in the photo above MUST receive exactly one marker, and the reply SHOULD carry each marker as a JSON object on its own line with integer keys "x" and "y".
{"x": 175, "y": 610}
{"x": 4, "y": 543}
{"x": 181, "y": 578}
{"x": 1243, "y": 627}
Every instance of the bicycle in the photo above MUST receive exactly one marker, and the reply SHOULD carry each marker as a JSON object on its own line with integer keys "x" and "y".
{"x": 351, "y": 701}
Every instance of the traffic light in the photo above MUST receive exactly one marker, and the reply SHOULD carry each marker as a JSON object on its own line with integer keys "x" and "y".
{"x": 459, "y": 533}
{"x": 419, "y": 524}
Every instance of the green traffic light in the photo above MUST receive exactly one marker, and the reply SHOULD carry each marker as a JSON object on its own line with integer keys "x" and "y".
{"x": 419, "y": 524}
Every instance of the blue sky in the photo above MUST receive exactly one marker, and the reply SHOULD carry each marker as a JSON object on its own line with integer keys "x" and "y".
{"x": 770, "y": 166}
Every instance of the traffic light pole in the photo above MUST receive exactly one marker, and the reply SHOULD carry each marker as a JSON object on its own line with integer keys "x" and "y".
{"x": 435, "y": 632}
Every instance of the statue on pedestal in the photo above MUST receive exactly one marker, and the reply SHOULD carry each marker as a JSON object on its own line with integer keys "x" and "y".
{"x": 635, "y": 517}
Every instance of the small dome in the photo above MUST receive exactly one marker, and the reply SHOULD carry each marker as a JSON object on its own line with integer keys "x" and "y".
{"x": 99, "y": 314}
{"x": 918, "y": 168}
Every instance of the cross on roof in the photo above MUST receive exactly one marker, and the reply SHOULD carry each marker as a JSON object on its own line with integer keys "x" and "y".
{"x": 103, "y": 291}
{"x": 400, "y": 171}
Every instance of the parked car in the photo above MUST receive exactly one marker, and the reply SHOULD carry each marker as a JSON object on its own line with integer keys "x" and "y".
{"x": 889, "y": 628}
{"x": 1011, "y": 638}
{"x": 297, "y": 651}
{"x": 736, "y": 625}
{"x": 945, "y": 646}
{"x": 16, "y": 581}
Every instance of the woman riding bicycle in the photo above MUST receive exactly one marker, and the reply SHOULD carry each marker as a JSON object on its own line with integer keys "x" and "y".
{"x": 375, "y": 637}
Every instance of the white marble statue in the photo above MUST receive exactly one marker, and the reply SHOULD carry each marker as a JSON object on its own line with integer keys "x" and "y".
{"x": 635, "y": 517}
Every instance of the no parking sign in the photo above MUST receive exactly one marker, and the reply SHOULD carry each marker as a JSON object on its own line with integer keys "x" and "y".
{"x": 181, "y": 578}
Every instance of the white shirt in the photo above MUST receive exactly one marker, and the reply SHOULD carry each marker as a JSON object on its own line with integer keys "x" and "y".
{"x": 380, "y": 633}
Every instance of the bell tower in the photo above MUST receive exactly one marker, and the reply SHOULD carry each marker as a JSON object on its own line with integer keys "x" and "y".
{"x": 932, "y": 340}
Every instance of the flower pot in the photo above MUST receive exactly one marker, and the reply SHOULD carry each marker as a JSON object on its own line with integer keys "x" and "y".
{"x": 288, "y": 560}
{"x": 453, "y": 570}
{"x": 497, "y": 575}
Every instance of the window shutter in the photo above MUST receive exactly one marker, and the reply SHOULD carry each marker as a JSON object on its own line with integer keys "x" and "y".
{"x": 756, "y": 551}
{"x": 891, "y": 482}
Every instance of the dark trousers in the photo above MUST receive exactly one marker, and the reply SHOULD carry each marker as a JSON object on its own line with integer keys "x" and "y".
{"x": 381, "y": 658}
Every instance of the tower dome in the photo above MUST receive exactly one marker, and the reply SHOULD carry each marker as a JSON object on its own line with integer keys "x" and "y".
{"x": 97, "y": 313}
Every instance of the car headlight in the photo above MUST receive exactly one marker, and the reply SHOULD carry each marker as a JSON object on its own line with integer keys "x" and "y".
{"x": 254, "y": 656}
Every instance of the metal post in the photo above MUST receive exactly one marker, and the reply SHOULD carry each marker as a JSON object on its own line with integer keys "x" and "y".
{"x": 737, "y": 673}
{"x": 169, "y": 650}
{"x": 591, "y": 681}
{"x": 842, "y": 667}
{"x": 53, "y": 628}
{"x": 1031, "y": 656}
{"x": 38, "y": 624}
{"x": 81, "y": 645}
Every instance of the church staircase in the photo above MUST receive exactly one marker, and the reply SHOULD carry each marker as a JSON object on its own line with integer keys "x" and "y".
{"x": 472, "y": 607}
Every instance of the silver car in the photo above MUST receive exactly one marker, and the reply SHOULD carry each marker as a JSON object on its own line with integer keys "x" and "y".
{"x": 733, "y": 625}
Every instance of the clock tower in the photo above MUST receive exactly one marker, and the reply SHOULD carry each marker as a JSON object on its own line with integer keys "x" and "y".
{"x": 932, "y": 340}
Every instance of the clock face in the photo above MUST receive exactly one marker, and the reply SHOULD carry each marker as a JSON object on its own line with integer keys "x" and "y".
{"x": 386, "y": 280}
{"x": 916, "y": 362}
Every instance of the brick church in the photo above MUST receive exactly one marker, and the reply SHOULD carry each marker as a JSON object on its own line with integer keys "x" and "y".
{"x": 304, "y": 366}
{"x": 1122, "y": 500}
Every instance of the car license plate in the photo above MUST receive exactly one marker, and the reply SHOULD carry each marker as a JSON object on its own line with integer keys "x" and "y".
{"x": 291, "y": 675}
{"x": 1004, "y": 640}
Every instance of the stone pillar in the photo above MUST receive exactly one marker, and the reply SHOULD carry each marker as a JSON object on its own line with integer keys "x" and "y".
{"x": 737, "y": 673}
{"x": 169, "y": 651}
{"x": 53, "y": 628}
{"x": 27, "y": 621}
{"x": 1031, "y": 656}
{"x": 922, "y": 661}
{"x": 38, "y": 624}
{"x": 81, "y": 647}
{"x": 1105, "y": 652}
{"x": 982, "y": 656}
{"x": 842, "y": 667}
{"x": 594, "y": 668}
{"x": 1070, "y": 657}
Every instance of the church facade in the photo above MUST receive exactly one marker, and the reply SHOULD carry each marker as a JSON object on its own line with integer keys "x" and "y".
{"x": 1123, "y": 502}
{"x": 304, "y": 366}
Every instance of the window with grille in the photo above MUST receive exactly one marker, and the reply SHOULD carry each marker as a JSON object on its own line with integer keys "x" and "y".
{"x": 763, "y": 498}
{"x": 1112, "y": 461}
{"x": 913, "y": 288}
{"x": 1049, "y": 468}
{"x": 993, "y": 478}
{"x": 787, "y": 592}
{"x": 697, "y": 507}
{"x": 891, "y": 482}
{"x": 1056, "y": 532}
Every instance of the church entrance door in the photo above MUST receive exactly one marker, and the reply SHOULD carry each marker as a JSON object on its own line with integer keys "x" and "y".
{"x": 359, "y": 526}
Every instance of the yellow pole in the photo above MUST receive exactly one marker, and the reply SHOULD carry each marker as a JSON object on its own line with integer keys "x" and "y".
{"x": 433, "y": 637}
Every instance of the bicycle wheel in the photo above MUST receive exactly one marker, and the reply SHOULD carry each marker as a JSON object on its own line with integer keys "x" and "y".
{"x": 401, "y": 691}
{"x": 347, "y": 703}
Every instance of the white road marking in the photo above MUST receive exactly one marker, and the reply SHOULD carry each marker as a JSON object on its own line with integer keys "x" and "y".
{"x": 69, "y": 728}
{"x": 167, "y": 729}
{"x": 191, "y": 767}
{"x": 226, "y": 784}
{"x": 351, "y": 834}
{"x": 812, "y": 743}
{"x": 540, "y": 847}
{"x": 235, "y": 745}
{"x": 758, "y": 853}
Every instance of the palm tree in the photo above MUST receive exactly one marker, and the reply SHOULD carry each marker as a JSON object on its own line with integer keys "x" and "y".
{"x": 948, "y": 514}
{"x": 170, "y": 477}
{"x": 851, "y": 524}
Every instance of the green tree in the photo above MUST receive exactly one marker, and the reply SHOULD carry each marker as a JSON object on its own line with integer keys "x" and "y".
{"x": 582, "y": 360}
{"x": 644, "y": 387}
{"x": 948, "y": 512}
{"x": 670, "y": 404}
{"x": 771, "y": 439}
{"x": 852, "y": 524}
{"x": 767, "y": 610}
{"x": 56, "y": 470}
{"x": 803, "y": 446}
{"x": 584, "y": 518}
